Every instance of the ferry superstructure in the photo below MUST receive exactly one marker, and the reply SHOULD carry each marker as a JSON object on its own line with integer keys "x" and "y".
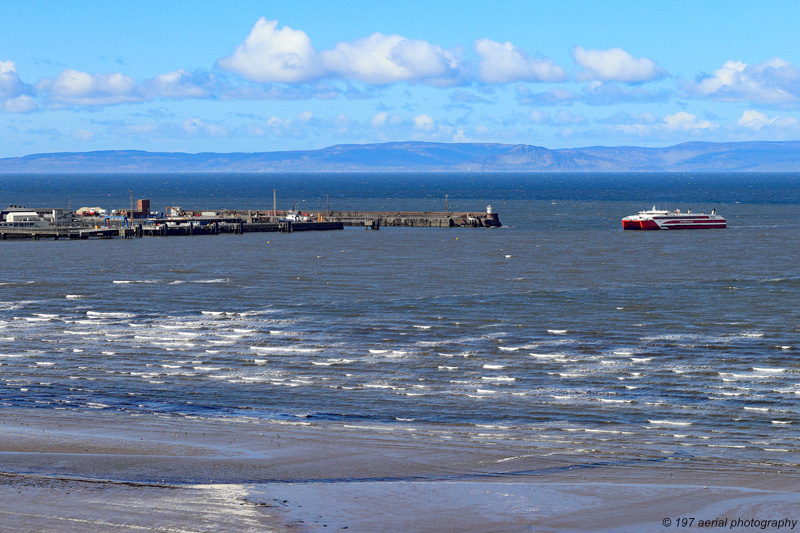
{"x": 662, "y": 219}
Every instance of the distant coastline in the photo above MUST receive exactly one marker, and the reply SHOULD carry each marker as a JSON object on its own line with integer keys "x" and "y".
{"x": 783, "y": 156}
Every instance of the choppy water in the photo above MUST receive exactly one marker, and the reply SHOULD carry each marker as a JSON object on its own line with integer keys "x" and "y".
{"x": 559, "y": 329}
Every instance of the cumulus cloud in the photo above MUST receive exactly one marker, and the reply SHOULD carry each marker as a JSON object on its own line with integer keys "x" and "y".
{"x": 424, "y": 122}
{"x": 269, "y": 54}
{"x": 199, "y": 127}
{"x": 773, "y": 82}
{"x": 272, "y": 54}
{"x": 11, "y": 85}
{"x": 683, "y": 121}
{"x": 755, "y": 120}
{"x": 15, "y": 96}
{"x": 539, "y": 117}
{"x": 383, "y": 59}
{"x": 672, "y": 127}
{"x": 72, "y": 87}
{"x": 504, "y": 63}
{"x": 379, "y": 120}
{"x": 615, "y": 65}
{"x": 20, "y": 104}
{"x": 182, "y": 84}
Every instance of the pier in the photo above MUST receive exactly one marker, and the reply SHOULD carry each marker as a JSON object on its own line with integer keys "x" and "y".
{"x": 414, "y": 219}
{"x": 56, "y": 233}
{"x": 191, "y": 222}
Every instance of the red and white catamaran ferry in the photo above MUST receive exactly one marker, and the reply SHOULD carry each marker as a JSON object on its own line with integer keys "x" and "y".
{"x": 658, "y": 219}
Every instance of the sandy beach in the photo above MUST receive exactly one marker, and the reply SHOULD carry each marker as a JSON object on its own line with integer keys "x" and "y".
{"x": 72, "y": 471}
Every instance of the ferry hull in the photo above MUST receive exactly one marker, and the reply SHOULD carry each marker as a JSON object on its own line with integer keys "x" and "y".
{"x": 639, "y": 224}
{"x": 652, "y": 225}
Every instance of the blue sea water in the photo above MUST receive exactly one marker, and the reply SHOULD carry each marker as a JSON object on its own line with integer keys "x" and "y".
{"x": 558, "y": 330}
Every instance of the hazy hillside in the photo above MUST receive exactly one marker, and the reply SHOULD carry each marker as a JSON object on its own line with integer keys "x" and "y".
{"x": 431, "y": 157}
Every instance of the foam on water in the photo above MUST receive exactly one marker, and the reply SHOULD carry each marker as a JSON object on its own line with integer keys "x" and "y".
{"x": 99, "y": 314}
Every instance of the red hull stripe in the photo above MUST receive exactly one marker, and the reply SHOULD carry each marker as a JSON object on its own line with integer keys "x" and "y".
{"x": 651, "y": 225}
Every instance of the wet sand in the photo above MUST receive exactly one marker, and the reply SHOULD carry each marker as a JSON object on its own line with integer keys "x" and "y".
{"x": 97, "y": 471}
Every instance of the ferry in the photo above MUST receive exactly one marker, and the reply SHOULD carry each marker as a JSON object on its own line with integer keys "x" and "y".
{"x": 663, "y": 219}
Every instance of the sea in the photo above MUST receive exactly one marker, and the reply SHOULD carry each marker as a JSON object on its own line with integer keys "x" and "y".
{"x": 558, "y": 331}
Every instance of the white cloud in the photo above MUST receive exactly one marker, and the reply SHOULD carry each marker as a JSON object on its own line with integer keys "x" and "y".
{"x": 15, "y": 96}
{"x": 756, "y": 121}
{"x": 182, "y": 84}
{"x": 383, "y": 59}
{"x": 72, "y": 87}
{"x": 279, "y": 127}
{"x": 675, "y": 127}
{"x": 274, "y": 55}
{"x": 540, "y": 117}
{"x": 10, "y": 84}
{"x": 275, "y": 122}
{"x": 423, "y": 122}
{"x": 20, "y": 104}
{"x": 504, "y": 62}
{"x": 305, "y": 116}
{"x": 83, "y": 135}
{"x": 683, "y": 121}
{"x": 196, "y": 126}
{"x": 379, "y": 120}
{"x": 269, "y": 54}
{"x": 615, "y": 65}
{"x": 773, "y": 82}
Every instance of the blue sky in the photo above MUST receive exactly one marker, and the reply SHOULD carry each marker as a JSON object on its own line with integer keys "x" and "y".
{"x": 249, "y": 76}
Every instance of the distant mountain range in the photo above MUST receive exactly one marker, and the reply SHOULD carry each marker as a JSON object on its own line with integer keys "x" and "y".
{"x": 431, "y": 157}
